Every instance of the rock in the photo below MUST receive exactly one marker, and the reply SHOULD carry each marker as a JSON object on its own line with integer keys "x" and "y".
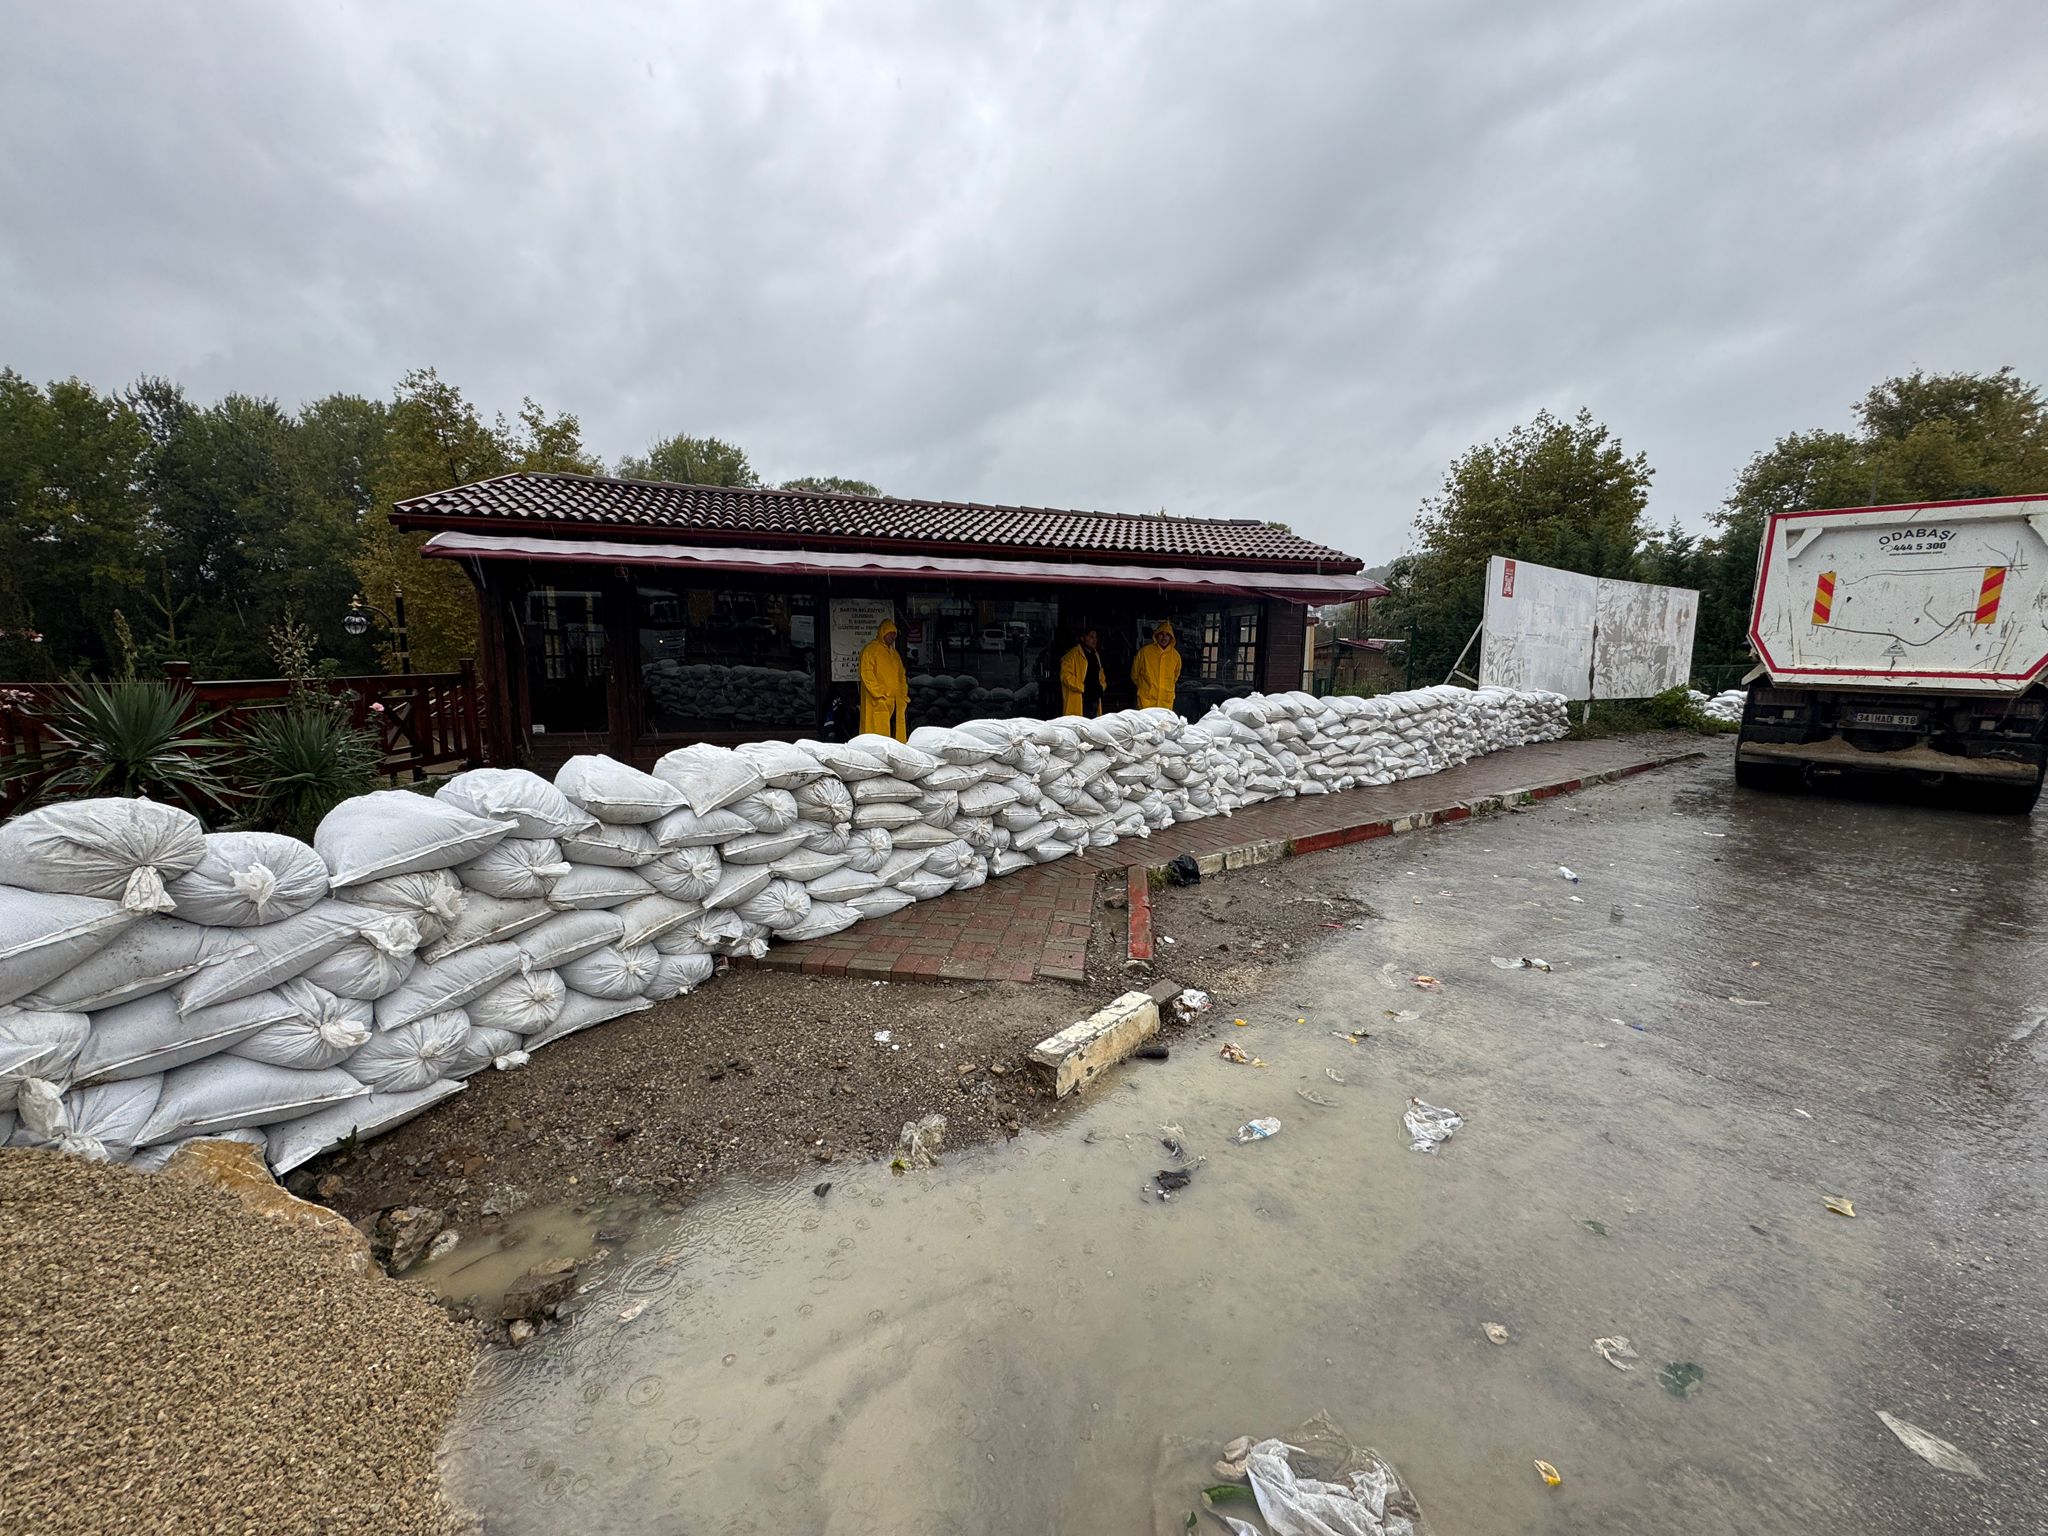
{"x": 536, "y": 1294}
{"x": 612, "y": 1237}
{"x": 402, "y": 1235}
{"x": 519, "y": 1332}
{"x": 329, "y": 1186}
{"x": 238, "y": 1168}
{"x": 442, "y": 1243}
{"x": 1238, "y": 1449}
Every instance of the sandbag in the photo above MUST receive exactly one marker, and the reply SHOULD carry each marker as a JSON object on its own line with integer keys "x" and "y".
{"x": 738, "y": 883}
{"x": 536, "y": 808}
{"x": 244, "y": 879}
{"x": 651, "y": 916}
{"x": 43, "y": 936}
{"x": 612, "y": 972}
{"x": 804, "y": 866}
{"x": 681, "y": 940}
{"x": 439, "y": 985}
{"x": 763, "y": 847}
{"x": 518, "y": 869}
{"x": 844, "y": 884}
{"x": 294, "y": 1142}
{"x": 613, "y": 844}
{"x": 150, "y": 1035}
{"x": 829, "y": 837}
{"x": 823, "y": 918}
{"x": 777, "y": 905}
{"x": 924, "y": 885}
{"x": 396, "y": 832}
{"x": 432, "y": 899}
{"x": 487, "y": 920}
{"x": 580, "y": 1011}
{"x": 848, "y": 763}
{"x": 904, "y": 760}
{"x": 323, "y": 1029}
{"x": 677, "y": 974}
{"x": 924, "y": 835}
{"x": 884, "y": 792}
{"x": 588, "y": 886}
{"x": 120, "y": 850}
{"x": 568, "y": 936}
{"x": 413, "y": 1055}
{"x": 371, "y": 964}
{"x": 706, "y": 778}
{"x": 949, "y": 746}
{"x": 782, "y": 764}
{"x": 525, "y": 1004}
{"x": 684, "y": 828}
{"x": 224, "y": 1092}
{"x": 881, "y": 903}
{"x": 768, "y": 810}
{"x": 987, "y": 797}
{"x": 40, "y": 1044}
{"x": 886, "y": 815}
{"x": 826, "y": 800}
{"x": 103, "y": 1123}
{"x": 151, "y": 954}
{"x": 685, "y": 874}
{"x": 717, "y": 930}
{"x": 612, "y": 791}
{"x": 497, "y": 1048}
{"x": 257, "y": 959}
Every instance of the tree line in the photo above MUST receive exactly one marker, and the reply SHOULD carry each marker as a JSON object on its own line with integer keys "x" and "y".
{"x": 141, "y": 526}
{"x": 1563, "y": 491}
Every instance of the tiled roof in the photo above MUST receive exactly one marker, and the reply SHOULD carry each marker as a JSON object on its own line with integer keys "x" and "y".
{"x": 533, "y": 503}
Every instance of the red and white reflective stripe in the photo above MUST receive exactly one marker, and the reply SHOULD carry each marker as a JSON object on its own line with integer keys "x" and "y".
{"x": 1823, "y": 597}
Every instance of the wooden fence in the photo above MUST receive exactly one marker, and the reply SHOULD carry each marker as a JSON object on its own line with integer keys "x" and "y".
{"x": 425, "y": 722}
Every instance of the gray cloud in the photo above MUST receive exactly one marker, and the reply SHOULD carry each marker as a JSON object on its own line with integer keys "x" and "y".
{"x": 1280, "y": 261}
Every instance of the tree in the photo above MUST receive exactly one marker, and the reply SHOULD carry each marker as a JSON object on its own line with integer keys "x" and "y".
{"x": 1556, "y": 491}
{"x": 835, "y": 485}
{"x": 683, "y": 460}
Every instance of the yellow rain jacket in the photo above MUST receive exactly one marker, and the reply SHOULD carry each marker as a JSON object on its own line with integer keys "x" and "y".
{"x": 1074, "y": 669}
{"x": 1157, "y": 672}
{"x": 884, "y": 686}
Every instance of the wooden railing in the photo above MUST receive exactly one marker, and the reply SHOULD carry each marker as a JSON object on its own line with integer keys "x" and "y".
{"x": 425, "y": 722}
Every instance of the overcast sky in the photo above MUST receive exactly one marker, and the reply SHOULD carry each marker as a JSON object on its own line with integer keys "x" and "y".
{"x": 1276, "y": 260}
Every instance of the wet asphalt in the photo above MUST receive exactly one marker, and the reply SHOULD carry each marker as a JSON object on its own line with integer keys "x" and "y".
{"x": 1754, "y": 1004}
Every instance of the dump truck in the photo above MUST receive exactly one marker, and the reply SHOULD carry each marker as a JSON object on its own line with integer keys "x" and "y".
{"x": 1908, "y": 640}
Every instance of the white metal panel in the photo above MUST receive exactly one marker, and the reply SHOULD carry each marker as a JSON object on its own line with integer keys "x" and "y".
{"x": 1642, "y": 640}
{"x": 1937, "y": 597}
{"x": 1539, "y": 628}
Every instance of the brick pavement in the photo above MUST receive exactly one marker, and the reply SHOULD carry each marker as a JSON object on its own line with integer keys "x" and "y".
{"x": 1038, "y": 922}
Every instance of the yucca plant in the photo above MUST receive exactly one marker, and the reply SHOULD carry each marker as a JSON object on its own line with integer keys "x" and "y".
{"x": 130, "y": 738}
{"x": 299, "y": 762}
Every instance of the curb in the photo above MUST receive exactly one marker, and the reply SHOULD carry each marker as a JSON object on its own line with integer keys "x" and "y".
{"x": 1138, "y": 878}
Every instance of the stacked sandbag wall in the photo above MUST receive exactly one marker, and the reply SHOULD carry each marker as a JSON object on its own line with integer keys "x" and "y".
{"x": 159, "y": 982}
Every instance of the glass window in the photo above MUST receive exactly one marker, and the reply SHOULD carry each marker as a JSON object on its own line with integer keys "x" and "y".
{"x": 717, "y": 660}
{"x": 974, "y": 658}
{"x": 566, "y": 657}
{"x": 1219, "y": 649}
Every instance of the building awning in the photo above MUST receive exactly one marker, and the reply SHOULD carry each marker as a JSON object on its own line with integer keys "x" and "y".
{"x": 1289, "y": 586}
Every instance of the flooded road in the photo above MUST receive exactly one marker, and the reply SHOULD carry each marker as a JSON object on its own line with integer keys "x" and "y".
{"x": 1754, "y": 1004}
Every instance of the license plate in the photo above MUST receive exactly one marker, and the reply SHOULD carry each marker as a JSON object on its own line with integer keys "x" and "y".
{"x": 1883, "y": 720}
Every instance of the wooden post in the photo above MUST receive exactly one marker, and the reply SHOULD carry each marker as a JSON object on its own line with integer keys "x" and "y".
{"x": 472, "y": 735}
{"x": 622, "y": 663}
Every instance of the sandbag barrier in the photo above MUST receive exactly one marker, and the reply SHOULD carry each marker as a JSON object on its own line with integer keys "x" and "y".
{"x": 160, "y": 983}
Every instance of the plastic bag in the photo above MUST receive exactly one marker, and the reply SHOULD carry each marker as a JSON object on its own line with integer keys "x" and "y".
{"x": 1428, "y": 1126}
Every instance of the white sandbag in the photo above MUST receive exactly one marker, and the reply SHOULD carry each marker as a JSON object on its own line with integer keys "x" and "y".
{"x": 588, "y": 886}
{"x": 487, "y": 920}
{"x": 881, "y": 903}
{"x": 151, "y": 954}
{"x": 782, "y": 764}
{"x": 681, "y": 940}
{"x": 612, "y": 791}
{"x": 439, "y": 985}
{"x": 652, "y": 916}
{"x": 869, "y": 849}
{"x": 777, "y": 905}
{"x": 849, "y": 763}
{"x": 525, "y": 1004}
{"x": 1008, "y": 862}
{"x": 678, "y": 974}
{"x": 150, "y": 1034}
{"x": 432, "y": 898}
{"x": 293, "y": 1142}
{"x": 904, "y": 760}
{"x": 923, "y": 835}
{"x": 948, "y": 746}
{"x": 948, "y": 859}
{"x": 224, "y": 1092}
{"x": 768, "y": 810}
{"x": 580, "y": 1012}
{"x": 496, "y": 1048}
{"x": 536, "y": 808}
{"x": 518, "y": 869}
{"x": 413, "y": 1055}
{"x": 155, "y": 1159}
{"x": 612, "y": 972}
{"x": 120, "y": 850}
{"x": 763, "y": 847}
{"x": 973, "y": 873}
{"x": 706, "y": 778}
{"x": 44, "y": 936}
{"x": 371, "y": 964}
{"x": 804, "y": 866}
{"x": 884, "y": 792}
{"x": 844, "y": 884}
{"x": 952, "y": 777}
{"x": 824, "y": 918}
{"x": 885, "y": 815}
{"x": 323, "y": 1029}
{"x": 904, "y": 862}
{"x": 568, "y": 936}
{"x": 717, "y": 930}
{"x": 247, "y": 878}
{"x": 685, "y": 874}
{"x": 257, "y": 959}
{"x": 829, "y": 836}
{"x": 40, "y": 1044}
{"x": 684, "y": 828}
{"x": 613, "y": 844}
{"x": 102, "y": 1123}
{"x": 827, "y": 800}
{"x": 396, "y": 832}
{"x": 937, "y": 807}
{"x": 924, "y": 885}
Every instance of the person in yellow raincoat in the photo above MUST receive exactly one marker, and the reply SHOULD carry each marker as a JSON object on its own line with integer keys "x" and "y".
{"x": 1083, "y": 681}
{"x": 1156, "y": 669}
{"x": 884, "y": 687}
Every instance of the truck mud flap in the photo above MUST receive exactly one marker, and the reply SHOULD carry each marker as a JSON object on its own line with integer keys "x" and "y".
{"x": 1839, "y": 755}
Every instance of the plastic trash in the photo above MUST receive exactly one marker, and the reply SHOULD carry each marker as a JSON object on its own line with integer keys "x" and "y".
{"x": 918, "y": 1145}
{"x": 1550, "y": 1475}
{"x": 1617, "y": 1352}
{"x": 1308, "y": 1096}
{"x": 1496, "y": 1333}
{"x": 1932, "y": 1449}
{"x": 1328, "y": 1487}
{"x": 1257, "y": 1130}
{"x": 1192, "y": 1000}
{"x": 1521, "y": 963}
{"x": 1840, "y": 1205}
{"x": 1184, "y": 870}
{"x": 1156, "y": 1050}
{"x": 1567, "y": 874}
{"x": 1427, "y": 983}
{"x": 1428, "y": 1126}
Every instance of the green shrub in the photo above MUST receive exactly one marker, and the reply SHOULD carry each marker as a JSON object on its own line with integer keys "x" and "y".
{"x": 299, "y": 762}
{"x": 130, "y": 738}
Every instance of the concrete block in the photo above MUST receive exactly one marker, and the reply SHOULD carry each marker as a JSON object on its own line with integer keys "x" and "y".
{"x": 1210, "y": 863}
{"x": 1269, "y": 851}
{"x": 1105, "y": 1037}
{"x": 1164, "y": 992}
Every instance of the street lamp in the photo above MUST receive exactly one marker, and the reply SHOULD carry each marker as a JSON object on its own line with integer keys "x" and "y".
{"x": 357, "y": 622}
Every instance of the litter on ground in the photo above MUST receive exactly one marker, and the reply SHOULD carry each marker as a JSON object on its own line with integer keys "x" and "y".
{"x": 1932, "y": 1449}
{"x": 1257, "y": 1130}
{"x": 1617, "y": 1352}
{"x": 1428, "y": 1126}
{"x": 1521, "y": 963}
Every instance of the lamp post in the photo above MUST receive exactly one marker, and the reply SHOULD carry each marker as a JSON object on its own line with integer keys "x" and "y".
{"x": 357, "y": 622}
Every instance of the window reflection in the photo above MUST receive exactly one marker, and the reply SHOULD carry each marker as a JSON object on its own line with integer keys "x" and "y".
{"x": 713, "y": 660}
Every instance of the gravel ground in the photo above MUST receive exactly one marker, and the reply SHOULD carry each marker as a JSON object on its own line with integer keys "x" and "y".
{"x": 175, "y": 1365}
